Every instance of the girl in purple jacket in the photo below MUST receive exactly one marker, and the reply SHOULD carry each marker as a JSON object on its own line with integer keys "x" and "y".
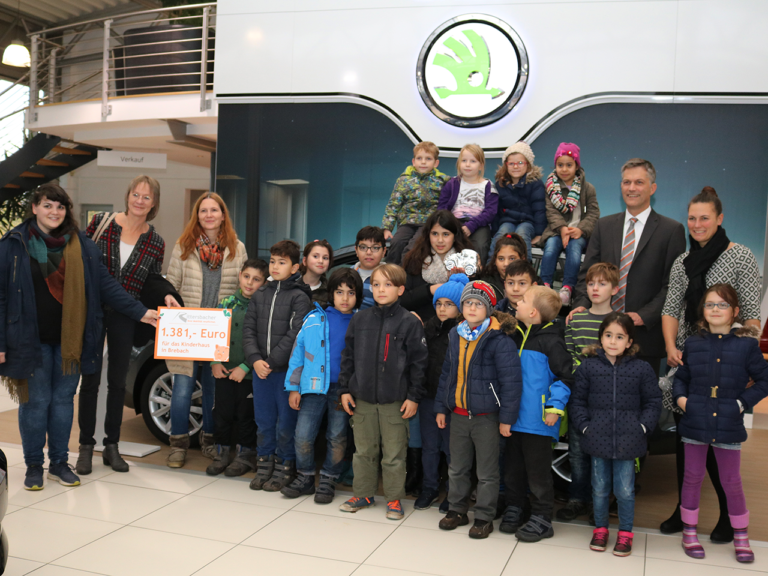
{"x": 472, "y": 198}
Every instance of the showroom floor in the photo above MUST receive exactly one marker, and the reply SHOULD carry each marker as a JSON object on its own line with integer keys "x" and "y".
{"x": 153, "y": 520}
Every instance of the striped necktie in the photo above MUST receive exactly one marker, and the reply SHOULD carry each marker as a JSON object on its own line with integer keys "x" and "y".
{"x": 627, "y": 255}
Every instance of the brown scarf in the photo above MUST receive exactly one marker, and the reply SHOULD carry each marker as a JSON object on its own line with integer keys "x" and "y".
{"x": 74, "y": 309}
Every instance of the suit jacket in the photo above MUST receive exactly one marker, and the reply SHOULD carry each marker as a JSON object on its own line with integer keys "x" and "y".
{"x": 662, "y": 241}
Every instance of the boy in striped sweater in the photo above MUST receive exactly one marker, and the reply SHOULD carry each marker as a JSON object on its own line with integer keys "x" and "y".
{"x": 602, "y": 285}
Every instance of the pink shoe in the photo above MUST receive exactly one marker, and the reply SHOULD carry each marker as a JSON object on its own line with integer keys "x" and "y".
{"x": 565, "y": 295}
{"x": 599, "y": 540}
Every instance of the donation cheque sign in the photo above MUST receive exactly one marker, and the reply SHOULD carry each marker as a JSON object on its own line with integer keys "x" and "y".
{"x": 193, "y": 334}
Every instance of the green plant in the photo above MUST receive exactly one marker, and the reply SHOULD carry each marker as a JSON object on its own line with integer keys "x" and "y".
{"x": 13, "y": 211}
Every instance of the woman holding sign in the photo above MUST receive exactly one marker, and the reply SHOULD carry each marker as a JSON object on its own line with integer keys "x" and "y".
{"x": 204, "y": 269}
{"x": 52, "y": 284}
{"x": 131, "y": 250}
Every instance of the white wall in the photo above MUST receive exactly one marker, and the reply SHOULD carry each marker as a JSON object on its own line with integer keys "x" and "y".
{"x": 93, "y": 184}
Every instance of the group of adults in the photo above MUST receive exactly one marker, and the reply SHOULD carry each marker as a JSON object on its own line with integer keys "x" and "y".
{"x": 64, "y": 291}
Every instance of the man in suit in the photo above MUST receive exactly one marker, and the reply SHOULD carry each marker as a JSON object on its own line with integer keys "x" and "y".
{"x": 643, "y": 244}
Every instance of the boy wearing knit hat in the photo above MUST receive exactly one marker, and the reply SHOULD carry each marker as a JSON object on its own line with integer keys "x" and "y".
{"x": 547, "y": 377}
{"x": 480, "y": 388}
{"x": 434, "y": 440}
{"x": 521, "y": 197}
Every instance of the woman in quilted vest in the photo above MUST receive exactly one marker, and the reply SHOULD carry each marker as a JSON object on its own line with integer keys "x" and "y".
{"x": 204, "y": 269}
{"x": 712, "y": 388}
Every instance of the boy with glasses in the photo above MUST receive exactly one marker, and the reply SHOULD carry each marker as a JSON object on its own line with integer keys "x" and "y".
{"x": 370, "y": 247}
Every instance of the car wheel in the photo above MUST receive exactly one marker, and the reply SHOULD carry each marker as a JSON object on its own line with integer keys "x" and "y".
{"x": 561, "y": 467}
{"x": 156, "y": 393}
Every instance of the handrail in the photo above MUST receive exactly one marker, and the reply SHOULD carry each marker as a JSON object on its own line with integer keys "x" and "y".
{"x": 123, "y": 16}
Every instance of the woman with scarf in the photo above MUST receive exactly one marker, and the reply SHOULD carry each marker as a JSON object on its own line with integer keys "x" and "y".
{"x": 204, "y": 269}
{"x": 131, "y": 249}
{"x": 712, "y": 259}
{"x": 52, "y": 285}
{"x": 440, "y": 237}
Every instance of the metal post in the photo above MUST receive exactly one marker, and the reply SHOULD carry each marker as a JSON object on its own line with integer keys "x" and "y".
{"x": 52, "y": 75}
{"x": 33, "y": 80}
{"x": 204, "y": 61}
{"x": 105, "y": 107}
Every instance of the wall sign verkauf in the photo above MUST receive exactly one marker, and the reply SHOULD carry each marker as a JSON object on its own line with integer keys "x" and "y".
{"x": 472, "y": 70}
{"x": 118, "y": 159}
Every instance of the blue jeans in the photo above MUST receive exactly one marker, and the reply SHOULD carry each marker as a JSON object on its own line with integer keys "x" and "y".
{"x": 275, "y": 419}
{"x": 313, "y": 406}
{"x": 621, "y": 475}
{"x": 524, "y": 229}
{"x": 414, "y": 430}
{"x": 433, "y": 441}
{"x": 580, "y": 489}
{"x": 181, "y": 401}
{"x": 573, "y": 252}
{"x": 49, "y": 410}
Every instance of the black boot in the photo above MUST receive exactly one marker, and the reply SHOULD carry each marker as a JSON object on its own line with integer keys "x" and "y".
{"x": 111, "y": 457}
{"x": 674, "y": 523}
{"x": 414, "y": 472}
{"x": 723, "y": 532}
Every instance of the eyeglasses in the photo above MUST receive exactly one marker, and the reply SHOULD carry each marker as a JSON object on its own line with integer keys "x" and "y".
{"x": 473, "y": 304}
{"x": 519, "y": 163}
{"x": 713, "y": 305}
{"x": 372, "y": 249}
{"x": 445, "y": 305}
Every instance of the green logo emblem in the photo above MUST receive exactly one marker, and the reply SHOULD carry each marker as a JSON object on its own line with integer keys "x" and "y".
{"x": 227, "y": 313}
{"x": 471, "y": 70}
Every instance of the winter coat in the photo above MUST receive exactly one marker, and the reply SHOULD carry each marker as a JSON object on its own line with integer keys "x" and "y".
{"x": 239, "y": 305}
{"x": 19, "y": 338}
{"x": 590, "y": 214}
{"x": 493, "y": 374}
{"x": 385, "y": 356}
{"x": 187, "y": 277}
{"x": 506, "y": 307}
{"x": 547, "y": 377}
{"x": 320, "y": 295}
{"x": 436, "y": 333}
{"x": 523, "y": 202}
{"x": 611, "y": 404}
{"x": 414, "y": 198}
{"x": 450, "y": 193}
{"x": 273, "y": 320}
{"x": 714, "y": 375}
{"x": 418, "y": 297}
{"x": 309, "y": 370}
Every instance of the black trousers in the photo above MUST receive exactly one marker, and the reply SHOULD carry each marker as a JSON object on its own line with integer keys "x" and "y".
{"x": 233, "y": 412}
{"x": 119, "y": 333}
{"x": 528, "y": 463}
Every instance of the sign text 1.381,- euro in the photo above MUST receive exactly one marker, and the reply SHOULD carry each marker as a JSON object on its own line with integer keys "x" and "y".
{"x": 193, "y": 334}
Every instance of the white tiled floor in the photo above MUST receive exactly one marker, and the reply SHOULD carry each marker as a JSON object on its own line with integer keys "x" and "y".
{"x": 156, "y": 521}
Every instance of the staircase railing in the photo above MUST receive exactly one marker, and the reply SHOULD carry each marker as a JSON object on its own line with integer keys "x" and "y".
{"x": 146, "y": 52}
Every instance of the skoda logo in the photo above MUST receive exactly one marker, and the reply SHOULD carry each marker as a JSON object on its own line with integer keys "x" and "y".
{"x": 472, "y": 70}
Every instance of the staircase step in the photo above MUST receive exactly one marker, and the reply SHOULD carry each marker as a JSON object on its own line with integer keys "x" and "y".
{"x": 27, "y": 174}
{"x": 71, "y": 151}
{"x": 11, "y": 186}
{"x": 46, "y": 162}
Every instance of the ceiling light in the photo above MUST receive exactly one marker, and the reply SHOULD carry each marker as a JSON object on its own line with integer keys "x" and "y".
{"x": 16, "y": 54}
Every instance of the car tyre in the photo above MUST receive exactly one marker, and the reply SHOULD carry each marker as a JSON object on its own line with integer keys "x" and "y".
{"x": 156, "y": 394}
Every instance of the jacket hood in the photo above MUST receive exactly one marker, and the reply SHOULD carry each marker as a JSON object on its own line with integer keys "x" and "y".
{"x": 294, "y": 281}
{"x": 411, "y": 171}
{"x": 507, "y": 322}
{"x": 534, "y": 174}
{"x": 597, "y": 351}
{"x": 747, "y": 332}
{"x": 388, "y": 310}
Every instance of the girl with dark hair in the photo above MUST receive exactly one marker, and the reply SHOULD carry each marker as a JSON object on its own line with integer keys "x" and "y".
{"x": 52, "y": 284}
{"x": 711, "y": 387}
{"x": 441, "y": 236}
{"x": 509, "y": 248}
{"x": 316, "y": 261}
{"x": 712, "y": 259}
{"x": 616, "y": 404}
{"x": 131, "y": 249}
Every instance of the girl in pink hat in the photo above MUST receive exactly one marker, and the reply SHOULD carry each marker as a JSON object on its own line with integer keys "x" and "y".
{"x": 572, "y": 212}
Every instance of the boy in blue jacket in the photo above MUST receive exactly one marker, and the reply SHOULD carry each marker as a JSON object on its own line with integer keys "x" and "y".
{"x": 480, "y": 388}
{"x": 313, "y": 385}
{"x": 547, "y": 377}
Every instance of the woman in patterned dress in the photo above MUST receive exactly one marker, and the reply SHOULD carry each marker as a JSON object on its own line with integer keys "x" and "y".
{"x": 712, "y": 259}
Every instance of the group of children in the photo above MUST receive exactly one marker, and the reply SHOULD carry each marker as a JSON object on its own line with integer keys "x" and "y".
{"x": 489, "y": 379}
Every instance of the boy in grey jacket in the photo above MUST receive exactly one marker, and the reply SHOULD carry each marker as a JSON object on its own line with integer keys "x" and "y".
{"x": 270, "y": 327}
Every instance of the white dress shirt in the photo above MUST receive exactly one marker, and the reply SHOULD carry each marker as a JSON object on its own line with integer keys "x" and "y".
{"x": 642, "y": 218}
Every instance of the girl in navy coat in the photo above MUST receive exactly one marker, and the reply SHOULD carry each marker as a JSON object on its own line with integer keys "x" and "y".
{"x": 711, "y": 388}
{"x": 616, "y": 404}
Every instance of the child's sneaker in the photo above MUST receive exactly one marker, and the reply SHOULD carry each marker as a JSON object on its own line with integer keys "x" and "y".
{"x": 481, "y": 529}
{"x": 565, "y": 295}
{"x": 301, "y": 486}
{"x": 326, "y": 490}
{"x": 599, "y": 540}
{"x": 283, "y": 474}
{"x": 33, "y": 479}
{"x": 572, "y": 510}
{"x": 63, "y": 473}
{"x": 354, "y": 504}
{"x": 220, "y": 461}
{"x": 426, "y": 499}
{"x": 511, "y": 520}
{"x": 394, "y": 510}
{"x": 623, "y": 544}
{"x": 453, "y": 520}
{"x": 265, "y": 466}
{"x": 537, "y": 528}
{"x": 444, "y": 505}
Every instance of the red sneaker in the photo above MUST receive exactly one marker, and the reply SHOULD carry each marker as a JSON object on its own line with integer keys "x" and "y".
{"x": 599, "y": 540}
{"x": 623, "y": 544}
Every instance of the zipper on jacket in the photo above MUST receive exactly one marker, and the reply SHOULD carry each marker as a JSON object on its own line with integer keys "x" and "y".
{"x": 464, "y": 386}
{"x": 614, "y": 409}
{"x": 378, "y": 345}
{"x": 15, "y": 258}
{"x": 490, "y": 385}
{"x": 386, "y": 351}
{"x": 269, "y": 327}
